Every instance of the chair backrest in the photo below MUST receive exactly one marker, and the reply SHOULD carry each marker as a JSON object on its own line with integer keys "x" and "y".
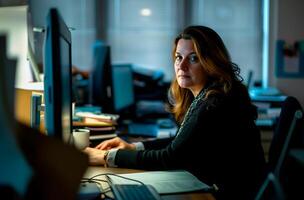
{"x": 288, "y": 134}
{"x": 292, "y": 133}
{"x": 271, "y": 189}
{"x": 288, "y": 127}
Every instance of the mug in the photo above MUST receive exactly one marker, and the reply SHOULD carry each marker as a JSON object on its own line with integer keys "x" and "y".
{"x": 81, "y": 138}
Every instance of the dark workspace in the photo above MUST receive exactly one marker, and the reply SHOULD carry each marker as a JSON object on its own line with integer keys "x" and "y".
{"x": 147, "y": 100}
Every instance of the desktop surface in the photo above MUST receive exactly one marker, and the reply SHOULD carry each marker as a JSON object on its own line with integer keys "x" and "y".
{"x": 94, "y": 170}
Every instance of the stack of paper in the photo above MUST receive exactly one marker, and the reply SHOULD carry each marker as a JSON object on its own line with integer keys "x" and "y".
{"x": 91, "y": 119}
{"x": 165, "y": 182}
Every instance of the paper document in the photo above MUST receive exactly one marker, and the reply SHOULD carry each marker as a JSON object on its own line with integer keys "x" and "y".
{"x": 103, "y": 136}
{"x": 97, "y": 116}
{"x": 165, "y": 182}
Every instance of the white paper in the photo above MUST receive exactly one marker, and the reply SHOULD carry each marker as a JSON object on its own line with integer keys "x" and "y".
{"x": 165, "y": 182}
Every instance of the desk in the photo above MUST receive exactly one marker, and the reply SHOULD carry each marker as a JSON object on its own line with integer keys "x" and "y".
{"x": 94, "y": 170}
{"x": 23, "y": 97}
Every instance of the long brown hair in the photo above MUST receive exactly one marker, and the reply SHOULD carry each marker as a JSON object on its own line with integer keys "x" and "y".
{"x": 216, "y": 62}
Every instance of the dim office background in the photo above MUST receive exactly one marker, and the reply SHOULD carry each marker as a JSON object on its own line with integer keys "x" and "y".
{"x": 141, "y": 32}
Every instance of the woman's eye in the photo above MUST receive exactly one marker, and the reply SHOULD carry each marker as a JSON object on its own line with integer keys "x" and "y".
{"x": 178, "y": 59}
{"x": 193, "y": 59}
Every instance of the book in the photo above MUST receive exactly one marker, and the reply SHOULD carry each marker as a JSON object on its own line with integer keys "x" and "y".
{"x": 97, "y": 119}
{"x": 102, "y": 136}
{"x": 102, "y": 116}
{"x": 101, "y": 130}
{"x": 99, "y": 133}
{"x": 90, "y": 124}
{"x": 165, "y": 182}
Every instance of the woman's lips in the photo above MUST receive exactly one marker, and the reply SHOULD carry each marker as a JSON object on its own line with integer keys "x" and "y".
{"x": 183, "y": 76}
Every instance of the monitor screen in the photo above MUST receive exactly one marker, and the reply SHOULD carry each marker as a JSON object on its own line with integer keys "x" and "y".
{"x": 101, "y": 78}
{"x": 123, "y": 89}
{"x": 57, "y": 78}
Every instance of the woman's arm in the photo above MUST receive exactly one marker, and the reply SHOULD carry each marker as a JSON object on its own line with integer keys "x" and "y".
{"x": 158, "y": 143}
{"x": 173, "y": 153}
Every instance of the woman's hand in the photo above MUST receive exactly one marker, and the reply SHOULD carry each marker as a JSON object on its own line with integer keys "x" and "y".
{"x": 96, "y": 156}
{"x": 115, "y": 143}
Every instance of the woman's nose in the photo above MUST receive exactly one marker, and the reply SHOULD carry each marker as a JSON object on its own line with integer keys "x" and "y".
{"x": 183, "y": 65}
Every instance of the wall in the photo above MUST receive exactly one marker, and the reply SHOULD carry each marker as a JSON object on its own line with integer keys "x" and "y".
{"x": 239, "y": 24}
{"x": 80, "y": 15}
{"x": 287, "y": 24}
{"x": 144, "y": 40}
{"x": 13, "y": 25}
{"x": 147, "y": 40}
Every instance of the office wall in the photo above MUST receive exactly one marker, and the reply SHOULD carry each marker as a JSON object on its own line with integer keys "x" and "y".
{"x": 79, "y": 15}
{"x": 287, "y": 24}
{"x": 13, "y": 25}
{"x": 144, "y": 40}
{"x": 239, "y": 23}
{"x": 147, "y": 40}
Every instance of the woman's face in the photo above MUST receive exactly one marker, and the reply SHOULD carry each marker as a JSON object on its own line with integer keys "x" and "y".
{"x": 188, "y": 70}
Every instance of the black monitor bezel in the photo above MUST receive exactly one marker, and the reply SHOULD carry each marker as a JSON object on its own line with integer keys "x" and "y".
{"x": 101, "y": 78}
{"x": 56, "y": 29}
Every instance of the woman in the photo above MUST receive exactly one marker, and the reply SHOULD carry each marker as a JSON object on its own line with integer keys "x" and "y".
{"x": 217, "y": 139}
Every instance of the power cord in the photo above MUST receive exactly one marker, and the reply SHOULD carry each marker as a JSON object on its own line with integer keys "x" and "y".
{"x": 104, "y": 191}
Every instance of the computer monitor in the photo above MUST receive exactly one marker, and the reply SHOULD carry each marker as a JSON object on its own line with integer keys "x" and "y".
{"x": 111, "y": 85}
{"x": 57, "y": 78}
{"x": 123, "y": 88}
{"x": 101, "y": 78}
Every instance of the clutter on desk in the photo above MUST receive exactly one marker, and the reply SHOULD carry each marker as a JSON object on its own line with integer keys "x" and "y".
{"x": 267, "y": 94}
{"x": 100, "y": 133}
{"x": 268, "y": 100}
{"x": 102, "y": 126}
{"x": 91, "y": 116}
{"x": 146, "y": 80}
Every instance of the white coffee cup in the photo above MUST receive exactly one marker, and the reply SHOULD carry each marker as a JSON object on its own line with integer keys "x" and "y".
{"x": 81, "y": 138}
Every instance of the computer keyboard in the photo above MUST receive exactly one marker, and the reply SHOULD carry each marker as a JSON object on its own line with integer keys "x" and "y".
{"x": 134, "y": 192}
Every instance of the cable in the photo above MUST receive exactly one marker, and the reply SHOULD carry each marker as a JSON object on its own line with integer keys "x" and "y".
{"x": 130, "y": 179}
{"x": 93, "y": 180}
{"x": 111, "y": 174}
{"x": 104, "y": 191}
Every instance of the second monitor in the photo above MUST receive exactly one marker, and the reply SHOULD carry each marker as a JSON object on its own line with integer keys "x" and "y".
{"x": 123, "y": 88}
{"x": 111, "y": 84}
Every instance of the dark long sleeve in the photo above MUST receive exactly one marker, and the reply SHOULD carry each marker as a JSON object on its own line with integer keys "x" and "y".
{"x": 220, "y": 145}
{"x": 158, "y": 143}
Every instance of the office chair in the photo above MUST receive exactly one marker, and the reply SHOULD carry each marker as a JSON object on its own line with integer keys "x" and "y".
{"x": 271, "y": 189}
{"x": 287, "y": 115}
{"x": 288, "y": 134}
{"x": 292, "y": 133}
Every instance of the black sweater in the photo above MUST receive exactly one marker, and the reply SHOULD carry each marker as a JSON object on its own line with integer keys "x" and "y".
{"x": 220, "y": 145}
